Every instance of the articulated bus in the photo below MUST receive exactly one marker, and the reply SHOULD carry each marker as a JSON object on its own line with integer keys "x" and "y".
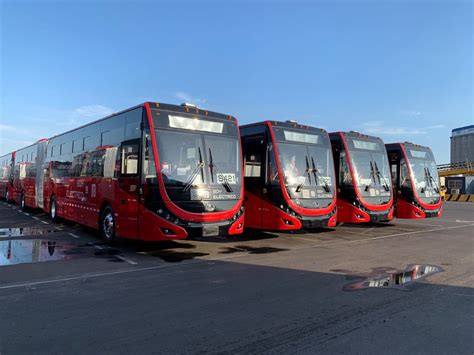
{"x": 152, "y": 172}
{"x": 28, "y": 175}
{"x": 415, "y": 181}
{"x": 289, "y": 176}
{"x": 6, "y": 176}
{"x": 363, "y": 178}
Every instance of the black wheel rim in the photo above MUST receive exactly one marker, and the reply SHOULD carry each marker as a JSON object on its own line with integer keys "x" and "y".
{"x": 108, "y": 224}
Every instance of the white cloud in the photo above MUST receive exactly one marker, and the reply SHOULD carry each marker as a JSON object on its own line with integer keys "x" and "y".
{"x": 92, "y": 111}
{"x": 6, "y": 128}
{"x": 436, "y": 126}
{"x": 380, "y": 128}
{"x": 190, "y": 99}
{"x": 411, "y": 113}
{"x": 393, "y": 131}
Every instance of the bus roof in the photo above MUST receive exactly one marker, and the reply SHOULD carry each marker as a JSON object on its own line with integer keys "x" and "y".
{"x": 154, "y": 105}
{"x": 285, "y": 124}
{"x": 355, "y": 134}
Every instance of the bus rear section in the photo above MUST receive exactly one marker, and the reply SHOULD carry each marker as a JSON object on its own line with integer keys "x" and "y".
{"x": 152, "y": 172}
{"x": 363, "y": 178}
{"x": 289, "y": 177}
{"x": 7, "y": 162}
{"x": 28, "y": 175}
{"x": 415, "y": 180}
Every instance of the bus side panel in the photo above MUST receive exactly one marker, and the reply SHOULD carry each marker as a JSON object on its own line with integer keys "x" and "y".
{"x": 29, "y": 188}
{"x": 253, "y": 210}
{"x": 126, "y": 195}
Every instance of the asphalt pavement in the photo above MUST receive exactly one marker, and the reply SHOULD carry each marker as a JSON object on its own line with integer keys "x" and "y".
{"x": 63, "y": 290}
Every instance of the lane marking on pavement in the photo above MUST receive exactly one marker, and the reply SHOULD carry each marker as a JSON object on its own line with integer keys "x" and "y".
{"x": 26, "y": 214}
{"x": 199, "y": 261}
{"x": 44, "y": 222}
{"x": 98, "y": 247}
{"x": 74, "y": 235}
{"x": 459, "y": 221}
{"x": 409, "y": 233}
{"x": 59, "y": 227}
{"x": 36, "y": 218}
{"x": 126, "y": 260}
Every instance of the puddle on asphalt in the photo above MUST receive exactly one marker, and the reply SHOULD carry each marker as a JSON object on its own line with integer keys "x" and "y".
{"x": 25, "y": 232}
{"x": 35, "y": 250}
{"x": 399, "y": 279}
{"x": 22, "y": 251}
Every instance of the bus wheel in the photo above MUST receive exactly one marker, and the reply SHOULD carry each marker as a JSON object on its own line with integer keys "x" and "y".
{"x": 107, "y": 224}
{"x": 22, "y": 201}
{"x": 53, "y": 209}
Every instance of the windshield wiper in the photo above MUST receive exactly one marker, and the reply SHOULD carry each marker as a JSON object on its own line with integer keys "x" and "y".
{"x": 379, "y": 174}
{"x": 431, "y": 180}
{"x": 372, "y": 176}
{"x": 308, "y": 174}
{"x": 194, "y": 174}
{"x": 213, "y": 167}
{"x": 316, "y": 174}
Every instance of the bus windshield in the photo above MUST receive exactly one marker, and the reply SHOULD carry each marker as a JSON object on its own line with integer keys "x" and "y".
{"x": 307, "y": 166}
{"x": 198, "y": 166}
{"x": 370, "y": 168}
{"x": 307, "y": 170}
{"x": 424, "y": 174}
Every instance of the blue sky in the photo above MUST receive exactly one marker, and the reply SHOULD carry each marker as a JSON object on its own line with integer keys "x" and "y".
{"x": 402, "y": 70}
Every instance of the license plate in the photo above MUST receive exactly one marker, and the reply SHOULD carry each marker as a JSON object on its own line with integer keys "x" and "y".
{"x": 210, "y": 231}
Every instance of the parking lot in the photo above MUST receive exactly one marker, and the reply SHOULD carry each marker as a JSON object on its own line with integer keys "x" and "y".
{"x": 62, "y": 289}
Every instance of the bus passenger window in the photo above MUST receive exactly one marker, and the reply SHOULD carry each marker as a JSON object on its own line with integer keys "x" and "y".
{"x": 272, "y": 169}
{"x": 149, "y": 169}
{"x": 404, "y": 177}
{"x": 129, "y": 159}
{"x": 345, "y": 177}
{"x": 253, "y": 159}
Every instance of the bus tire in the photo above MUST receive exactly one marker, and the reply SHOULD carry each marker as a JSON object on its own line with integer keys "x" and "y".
{"x": 53, "y": 209}
{"x": 22, "y": 201}
{"x": 107, "y": 224}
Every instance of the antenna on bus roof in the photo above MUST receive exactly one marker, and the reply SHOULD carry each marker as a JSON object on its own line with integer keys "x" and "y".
{"x": 187, "y": 104}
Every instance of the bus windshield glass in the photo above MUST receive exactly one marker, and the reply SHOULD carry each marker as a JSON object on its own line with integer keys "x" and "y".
{"x": 424, "y": 173}
{"x": 306, "y": 163}
{"x": 199, "y": 158}
{"x": 370, "y": 168}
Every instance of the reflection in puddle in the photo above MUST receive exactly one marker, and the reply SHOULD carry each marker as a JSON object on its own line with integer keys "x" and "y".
{"x": 33, "y": 251}
{"x": 22, "y": 232}
{"x": 397, "y": 279}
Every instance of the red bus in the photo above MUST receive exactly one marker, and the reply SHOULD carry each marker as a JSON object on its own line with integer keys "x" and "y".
{"x": 363, "y": 178}
{"x": 28, "y": 175}
{"x": 6, "y": 176}
{"x": 289, "y": 176}
{"x": 415, "y": 180}
{"x": 152, "y": 172}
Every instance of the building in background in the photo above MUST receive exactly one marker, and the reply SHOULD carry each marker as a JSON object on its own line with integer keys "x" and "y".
{"x": 462, "y": 145}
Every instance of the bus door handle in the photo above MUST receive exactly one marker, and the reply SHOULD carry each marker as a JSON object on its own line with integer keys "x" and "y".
{"x": 140, "y": 190}
{"x": 264, "y": 190}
